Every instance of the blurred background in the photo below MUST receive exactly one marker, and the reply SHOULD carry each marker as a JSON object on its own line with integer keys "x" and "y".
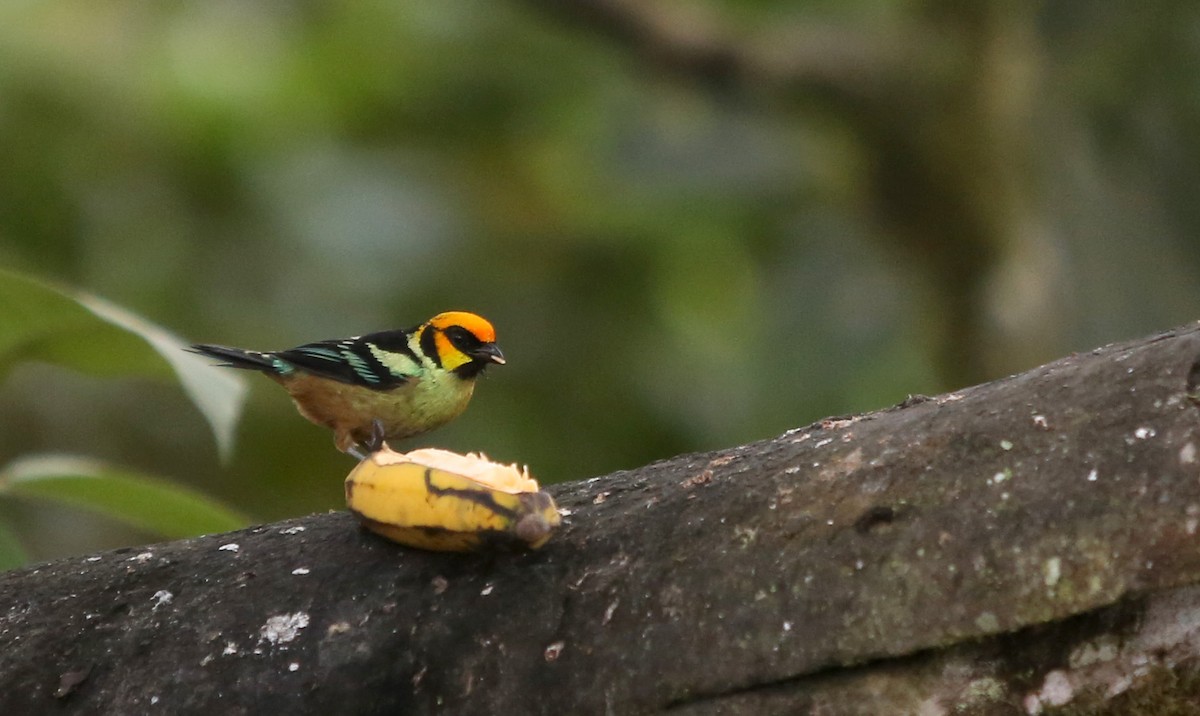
{"x": 694, "y": 224}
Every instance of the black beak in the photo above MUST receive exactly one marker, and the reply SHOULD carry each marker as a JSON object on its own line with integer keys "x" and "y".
{"x": 488, "y": 352}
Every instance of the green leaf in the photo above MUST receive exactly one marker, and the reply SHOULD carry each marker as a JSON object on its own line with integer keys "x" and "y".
{"x": 12, "y": 554}
{"x": 144, "y": 502}
{"x": 93, "y": 336}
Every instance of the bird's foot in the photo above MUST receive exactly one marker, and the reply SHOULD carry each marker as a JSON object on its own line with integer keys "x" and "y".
{"x": 373, "y": 443}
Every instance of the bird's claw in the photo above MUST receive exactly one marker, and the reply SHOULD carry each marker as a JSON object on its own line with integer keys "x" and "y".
{"x": 375, "y": 442}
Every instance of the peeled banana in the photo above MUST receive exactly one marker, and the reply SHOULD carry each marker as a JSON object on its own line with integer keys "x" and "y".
{"x": 439, "y": 500}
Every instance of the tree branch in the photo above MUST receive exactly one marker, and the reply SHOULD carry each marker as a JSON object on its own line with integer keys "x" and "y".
{"x": 834, "y": 62}
{"x": 1030, "y": 538}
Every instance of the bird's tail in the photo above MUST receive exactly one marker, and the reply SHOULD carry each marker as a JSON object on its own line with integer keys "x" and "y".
{"x": 237, "y": 357}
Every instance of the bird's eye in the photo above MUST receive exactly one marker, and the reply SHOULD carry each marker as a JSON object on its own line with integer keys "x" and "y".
{"x": 462, "y": 338}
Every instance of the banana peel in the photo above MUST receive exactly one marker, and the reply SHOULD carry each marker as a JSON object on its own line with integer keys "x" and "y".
{"x": 443, "y": 501}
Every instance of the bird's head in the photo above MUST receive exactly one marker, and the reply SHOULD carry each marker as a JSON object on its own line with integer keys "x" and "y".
{"x": 464, "y": 342}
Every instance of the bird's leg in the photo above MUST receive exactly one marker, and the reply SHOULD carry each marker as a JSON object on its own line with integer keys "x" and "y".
{"x": 372, "y": 444}
{"x": 375, "y": 442}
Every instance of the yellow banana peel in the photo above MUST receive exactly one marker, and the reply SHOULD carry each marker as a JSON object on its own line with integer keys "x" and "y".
{"x": 443, "y": 501}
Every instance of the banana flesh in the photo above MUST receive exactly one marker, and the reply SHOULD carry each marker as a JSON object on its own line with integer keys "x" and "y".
{"x": 439, "y": 500}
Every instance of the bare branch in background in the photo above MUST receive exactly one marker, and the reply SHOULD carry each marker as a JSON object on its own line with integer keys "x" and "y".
{"x": 943, "y": 148}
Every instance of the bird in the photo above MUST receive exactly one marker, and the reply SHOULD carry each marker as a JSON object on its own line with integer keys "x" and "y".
{"x": 379, "y": 386}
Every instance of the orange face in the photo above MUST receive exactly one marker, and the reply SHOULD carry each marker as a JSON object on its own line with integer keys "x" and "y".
{"x": 478, "y": 325}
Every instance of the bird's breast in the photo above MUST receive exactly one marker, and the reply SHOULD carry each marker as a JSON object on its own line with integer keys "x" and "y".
{"x": 414, "y": 407}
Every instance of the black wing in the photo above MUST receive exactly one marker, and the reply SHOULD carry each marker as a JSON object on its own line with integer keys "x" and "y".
{"x": 349, "y": 361}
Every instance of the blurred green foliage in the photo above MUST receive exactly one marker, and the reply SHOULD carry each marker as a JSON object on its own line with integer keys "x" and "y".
{"x": 42, "y": 323}
{"x": 678, "y": 255}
